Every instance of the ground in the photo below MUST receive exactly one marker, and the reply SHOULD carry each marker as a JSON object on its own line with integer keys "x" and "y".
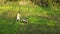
{"x": 42, "y": 20}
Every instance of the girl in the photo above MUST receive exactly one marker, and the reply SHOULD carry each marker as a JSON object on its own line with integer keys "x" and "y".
{"x": 18, "y": 16}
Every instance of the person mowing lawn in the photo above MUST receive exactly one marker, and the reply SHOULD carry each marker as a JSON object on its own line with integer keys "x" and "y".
{"x": 18, "y": 16}
{"x": 24, "y": 20}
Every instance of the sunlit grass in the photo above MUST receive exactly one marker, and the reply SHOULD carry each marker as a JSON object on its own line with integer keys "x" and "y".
{"x": 39, "y": 19}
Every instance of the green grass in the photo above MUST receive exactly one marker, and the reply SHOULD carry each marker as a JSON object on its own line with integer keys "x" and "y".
{"x": 41, "y": 20}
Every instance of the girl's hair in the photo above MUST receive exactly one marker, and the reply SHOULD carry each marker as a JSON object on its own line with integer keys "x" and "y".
{"x": 18, "y": 12}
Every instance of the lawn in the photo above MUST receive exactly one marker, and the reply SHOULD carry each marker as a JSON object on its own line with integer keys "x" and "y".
{"x": 41, "y": 20}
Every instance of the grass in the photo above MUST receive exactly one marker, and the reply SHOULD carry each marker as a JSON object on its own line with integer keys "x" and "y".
{"x": 41, "y": 20}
